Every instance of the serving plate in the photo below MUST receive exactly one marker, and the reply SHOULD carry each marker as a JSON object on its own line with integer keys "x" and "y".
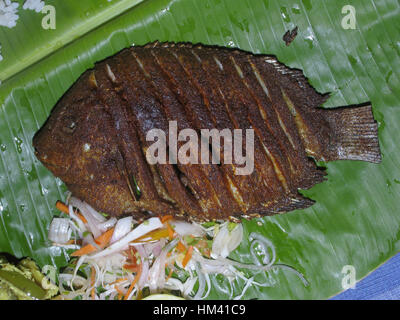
{"x": 355, "y": 220}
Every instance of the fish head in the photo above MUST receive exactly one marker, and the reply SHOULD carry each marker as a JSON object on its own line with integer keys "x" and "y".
{"x": 77, "y": 144}
{"x": 54, "y": 142}
{"x": 73, "y": 135}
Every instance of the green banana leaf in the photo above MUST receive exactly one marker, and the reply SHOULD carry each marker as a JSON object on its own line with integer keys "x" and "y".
{"x": 355, "y": 220}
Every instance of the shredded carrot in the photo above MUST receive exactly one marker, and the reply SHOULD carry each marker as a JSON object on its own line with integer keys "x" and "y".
{"x": 132, "y": 259}
{"x": 171, "y": 232}
{"x": 119, "y": 280}
{"x": 169, "y": 275}
{"x": 102, "y": 241}
{"x": 82, "y": 218}
{"x": 64, "y": 208}
{"x": 89, "y": 248}
{"x": 131, "y": 267}
{"x": 137, "y": 277}
{"x": 120, "y": 292}
{"x": 181, "y": 247}
{"x": 92, "y": 280}
{"x": 105, "y": 238}
{"x": 187, "y": 257}
{"x": 166, "y": 218}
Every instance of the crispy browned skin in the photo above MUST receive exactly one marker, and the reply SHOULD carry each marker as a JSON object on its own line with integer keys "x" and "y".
{"x": 95, "y": 142}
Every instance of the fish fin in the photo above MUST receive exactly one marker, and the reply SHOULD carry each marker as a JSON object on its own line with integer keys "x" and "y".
{"x": 298, "y": 78}
{"x": 353, "y": 134}
{"x": 124, "y": 176}
{"x": 295, "y": 202}
{"x": 313, "y": 177}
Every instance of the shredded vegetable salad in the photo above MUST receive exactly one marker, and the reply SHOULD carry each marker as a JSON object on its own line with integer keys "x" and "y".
{"x": 126, "y": 260}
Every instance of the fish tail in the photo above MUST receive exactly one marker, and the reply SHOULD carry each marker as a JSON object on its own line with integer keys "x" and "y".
{"x": 354, "y": 134}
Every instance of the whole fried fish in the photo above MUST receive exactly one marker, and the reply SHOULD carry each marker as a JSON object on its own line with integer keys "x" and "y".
{"x": 95, "y": 138}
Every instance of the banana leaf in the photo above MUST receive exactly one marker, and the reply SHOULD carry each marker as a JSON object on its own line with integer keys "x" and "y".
{"x": 355, "y": 220}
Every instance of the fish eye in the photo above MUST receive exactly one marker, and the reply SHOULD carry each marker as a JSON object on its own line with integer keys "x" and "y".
{"x": 70, "y": 128}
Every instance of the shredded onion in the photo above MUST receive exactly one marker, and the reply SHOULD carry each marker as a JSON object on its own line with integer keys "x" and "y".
{"x": 104, "y": 226}
{"x": 76, "y": 219}
{"x": 115, "y": 267}
{"x": 187, "y": 229}
{"x": 157, "y": 247}
{"x": 208, "y": 285}
{"x": 174, "y": 284}
{"x": 150, "y": 225}
{"x": 93, "y": 221}
{"x": 202, "y": 282}
{"x": 83, "y": 205}
{"x": 72, "y": 281}
{"x": 248, "y": 284}
{"x": 265, "y": 245}
{"x": 157, "y": 271}
{"x": 60, "y": 230}
{"x": 122, "y": 227}
{"x": 145, "y": 265}
{"x": 88, "y": 239}
{"x": 226, "y": 241}
{"x": 188, "y": 286}
{"x": 299, "y": 274}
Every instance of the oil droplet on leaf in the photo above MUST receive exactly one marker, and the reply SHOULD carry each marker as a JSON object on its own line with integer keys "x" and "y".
{"x": 43, "y": 190}
{"x": 19, "y": 143}
{"x": 285, "y": 15}
{"x": 231, "y": 44}
{"x": 309, "y": 42}
{"x": 1, "y": 202}
{"x": 32, "y": 175}
{"x": 296, "y": 9}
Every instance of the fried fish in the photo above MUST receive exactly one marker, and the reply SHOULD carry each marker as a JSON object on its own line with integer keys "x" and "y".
{"x": 95, "y": 138}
